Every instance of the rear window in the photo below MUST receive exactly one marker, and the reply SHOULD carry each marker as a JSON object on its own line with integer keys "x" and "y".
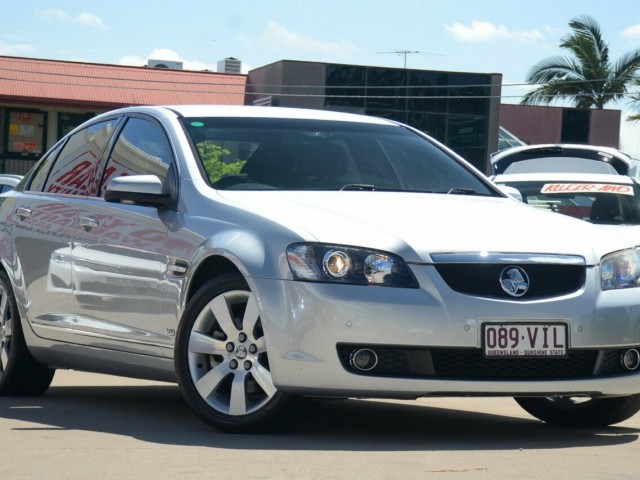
{"x": 560, "y": 165}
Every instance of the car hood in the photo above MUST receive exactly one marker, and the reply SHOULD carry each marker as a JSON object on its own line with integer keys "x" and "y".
{"x": 629, "y": 232}
{"x": 416, "y": 225}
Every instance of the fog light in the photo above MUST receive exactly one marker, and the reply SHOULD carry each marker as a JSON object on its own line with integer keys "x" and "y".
{"x": 363, "y": 359}
{"x": 631, "y": 359}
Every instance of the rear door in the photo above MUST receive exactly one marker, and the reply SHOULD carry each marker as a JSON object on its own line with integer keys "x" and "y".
{"x": 43, "y": 219}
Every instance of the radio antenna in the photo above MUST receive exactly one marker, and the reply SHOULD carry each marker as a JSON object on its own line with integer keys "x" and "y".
{"x": 404, "y": 53}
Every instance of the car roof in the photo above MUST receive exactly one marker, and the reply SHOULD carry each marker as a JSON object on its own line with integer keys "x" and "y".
{"x": 253, "y": 112}
{"x": 614, "y": 159}
{"x": 563, "y": 177}
{"x": 535, "y": 147}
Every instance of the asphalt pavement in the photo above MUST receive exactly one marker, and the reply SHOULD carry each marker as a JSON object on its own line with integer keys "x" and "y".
{"x": 103, "y": 427}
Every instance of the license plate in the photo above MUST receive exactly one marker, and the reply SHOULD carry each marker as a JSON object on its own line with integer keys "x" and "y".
{"x": 524, "y": 340}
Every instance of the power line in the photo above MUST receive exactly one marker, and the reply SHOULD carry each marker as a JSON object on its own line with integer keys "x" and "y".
{"x": 409, "y": 52}
{"x": 262, "y": 85}
{"x": 319, "y": 95}
{"x": 264, "y": 88}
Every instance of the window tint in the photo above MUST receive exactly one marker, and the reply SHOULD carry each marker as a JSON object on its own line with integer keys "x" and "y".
{"x": 608, "y": 203}
{"x": 75, "y": 169}
{"x": 42, "y": 169}
{"x": 281, "y": 154}
{"x": 560, "y": 164}
{"x": 141, "y": 149}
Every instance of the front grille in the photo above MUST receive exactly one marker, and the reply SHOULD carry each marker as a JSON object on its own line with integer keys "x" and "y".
{"x": 483, "y": 280}
{"x": 470, "y": 364}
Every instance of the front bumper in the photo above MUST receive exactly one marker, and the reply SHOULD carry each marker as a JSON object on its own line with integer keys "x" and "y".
{"x": 306, "y": 325}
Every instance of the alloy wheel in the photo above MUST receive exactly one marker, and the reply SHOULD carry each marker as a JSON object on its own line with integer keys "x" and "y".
{"x": 5, "y": 330}
{"x": 227, "y": 356}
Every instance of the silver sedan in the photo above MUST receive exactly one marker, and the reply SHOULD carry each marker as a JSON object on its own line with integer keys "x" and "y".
{"x": 262, "y": 257}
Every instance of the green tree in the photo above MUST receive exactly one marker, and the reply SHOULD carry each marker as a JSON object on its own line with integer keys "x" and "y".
{"x": 586, "y": 78}
{"x": 212, "y": 158}
{"x": 635, "y": 102}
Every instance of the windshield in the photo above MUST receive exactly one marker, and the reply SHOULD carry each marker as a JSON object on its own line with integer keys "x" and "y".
{"x": 604, "y": 203}
{"x": 286, "y": 154}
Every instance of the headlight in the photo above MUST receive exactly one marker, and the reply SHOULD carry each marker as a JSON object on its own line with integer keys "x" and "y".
{"x": 620, "y": 270}
{"x": 315, "y": 262}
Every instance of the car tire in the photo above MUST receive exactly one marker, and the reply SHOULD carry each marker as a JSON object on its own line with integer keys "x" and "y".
{"x": 222, "y": 364}
{"x": 576, "y": 412}
{"x": 20, "y": 373}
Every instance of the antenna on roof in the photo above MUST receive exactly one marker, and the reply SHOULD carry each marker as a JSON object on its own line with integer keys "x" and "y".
{"x": 410, "y": 52}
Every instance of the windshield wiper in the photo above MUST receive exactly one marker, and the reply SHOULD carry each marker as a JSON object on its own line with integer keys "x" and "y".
{"x": 358, "y": 186}
{"x": 461, "y": 191}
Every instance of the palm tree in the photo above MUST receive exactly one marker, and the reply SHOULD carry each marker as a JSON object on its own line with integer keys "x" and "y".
{"x": 635, "y": 102}
{"x": 586, "y": 78}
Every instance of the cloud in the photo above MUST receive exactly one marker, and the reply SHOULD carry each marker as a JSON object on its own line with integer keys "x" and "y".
{"x": 165, "y": 54}
{"x": 83, "y": 19}
{"x": 52, "y": 14}
{"x": 481, "y": 31}
{"x": 632, "y": 32}
{"x": 16, "y": 49}
{"x": 278, "y": 37}
{"x": 91, "y": 21}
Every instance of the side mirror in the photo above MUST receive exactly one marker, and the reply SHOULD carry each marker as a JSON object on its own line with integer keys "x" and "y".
{"x": 143, "y": 190}
{"x": 510, "y": 191}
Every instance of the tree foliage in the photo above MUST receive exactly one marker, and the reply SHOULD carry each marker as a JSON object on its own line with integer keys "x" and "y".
{"x": 212, "y": 158}
{"x": 635, "y": 102}
{"x": 586, "y": 78}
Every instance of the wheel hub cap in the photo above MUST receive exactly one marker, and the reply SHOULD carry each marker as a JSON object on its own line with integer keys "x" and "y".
{"x": 241, "y": 352}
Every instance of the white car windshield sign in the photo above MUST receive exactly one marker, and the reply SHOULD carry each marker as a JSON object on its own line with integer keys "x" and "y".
{"x": 587, "y": 187}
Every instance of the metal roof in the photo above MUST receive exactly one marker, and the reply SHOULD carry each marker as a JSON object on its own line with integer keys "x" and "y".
{"x": 53, "y": 82}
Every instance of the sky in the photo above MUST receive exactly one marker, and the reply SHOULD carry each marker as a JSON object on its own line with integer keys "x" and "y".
{"x": 497, "y": 36}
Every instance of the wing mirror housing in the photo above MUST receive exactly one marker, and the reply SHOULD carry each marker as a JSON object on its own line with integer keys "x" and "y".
{"x": 510, "y": 191}
{"x": 145, "y": 190}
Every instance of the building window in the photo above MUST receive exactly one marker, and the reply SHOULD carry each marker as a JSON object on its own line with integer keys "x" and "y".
{"x": 24, "y": 133}
{"x": 575, "y": 126}
{"x": 345, "y": 87}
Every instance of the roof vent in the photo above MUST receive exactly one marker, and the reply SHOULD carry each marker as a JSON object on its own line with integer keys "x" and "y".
{"x": 230, "y": 65}
{"x": 164, "y": 64}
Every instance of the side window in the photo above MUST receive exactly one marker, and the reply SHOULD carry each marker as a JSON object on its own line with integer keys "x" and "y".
{"x": 42, "y": 169}
{"x": 75, "y": 170}
{"x": 141, "y": 149}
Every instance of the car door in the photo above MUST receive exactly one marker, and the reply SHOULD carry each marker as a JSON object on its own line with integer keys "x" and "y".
{"x": 118, "y": 259}
{"x": 43, "y": 219}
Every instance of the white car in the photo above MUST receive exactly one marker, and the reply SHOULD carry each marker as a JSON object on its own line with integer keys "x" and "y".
{"x": 263, "y": 256}
{"x": 596, "y": 184}
{"x": 563, "y": 158}
{"x": 597, "y": 198}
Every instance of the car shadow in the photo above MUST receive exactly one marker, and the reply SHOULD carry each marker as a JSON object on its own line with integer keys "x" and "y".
{"x": 158, "y": 414}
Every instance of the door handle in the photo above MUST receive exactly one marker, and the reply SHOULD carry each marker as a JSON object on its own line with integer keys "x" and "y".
{"x": 23, "y": 212}
{"x": 88, "y": 223}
